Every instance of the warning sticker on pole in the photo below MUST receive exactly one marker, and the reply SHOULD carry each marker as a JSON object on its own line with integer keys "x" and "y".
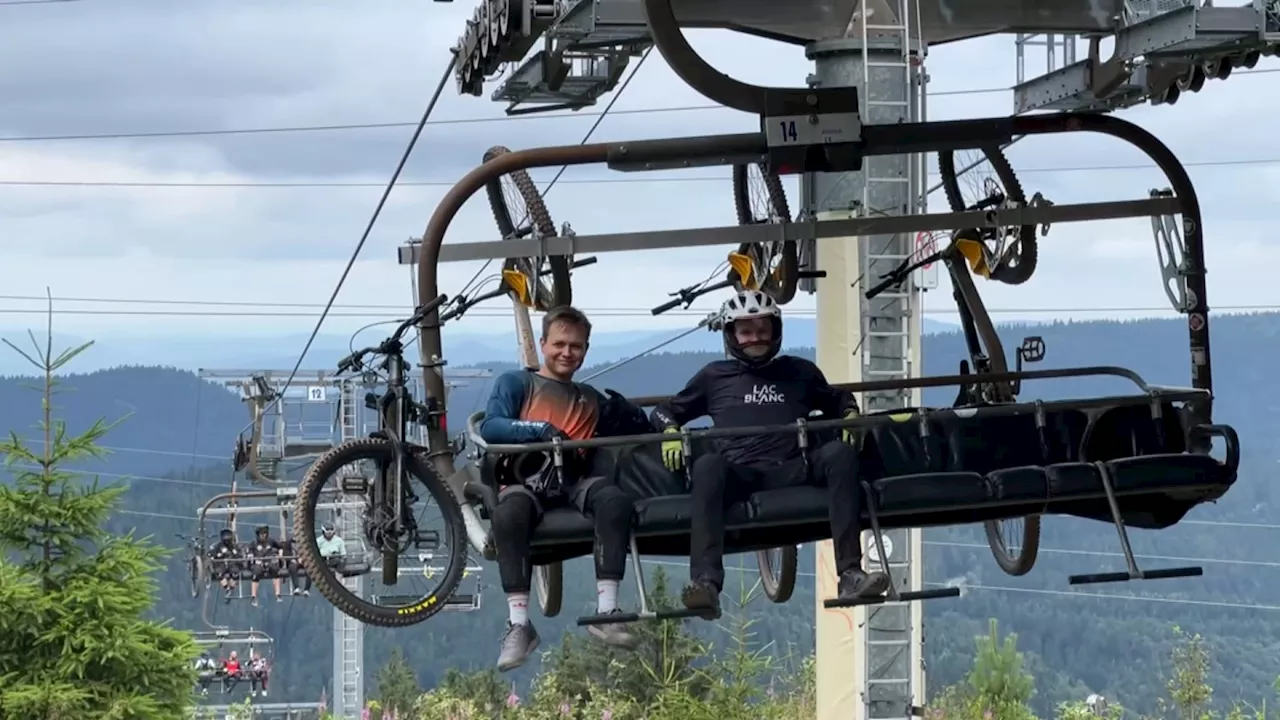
{"x": 1196, "y": 321}
{"x": 925, "y": 277}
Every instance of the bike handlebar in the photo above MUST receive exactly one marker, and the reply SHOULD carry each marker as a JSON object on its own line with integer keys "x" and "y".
{"x": 391, "y": 344}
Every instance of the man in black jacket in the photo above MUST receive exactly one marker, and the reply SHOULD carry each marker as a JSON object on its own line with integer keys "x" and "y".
{"x": 757, "y": 386}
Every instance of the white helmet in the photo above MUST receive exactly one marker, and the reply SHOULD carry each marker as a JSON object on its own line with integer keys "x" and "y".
{"x": 745, "y": 305}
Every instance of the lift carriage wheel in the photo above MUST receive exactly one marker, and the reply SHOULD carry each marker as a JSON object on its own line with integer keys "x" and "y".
{"x": 778, "y": 571}
{"x": 759, "y": 198}
{"x": 381, "y": 453}
{"x": 550, "y": 282}
{"x": 548, "y": 580}
{"x": 1017, "y": 262}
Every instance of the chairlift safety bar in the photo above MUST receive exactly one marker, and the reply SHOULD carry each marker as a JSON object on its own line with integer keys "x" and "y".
{"x": 250, "y": 510}
{"x": 1153, "y": 396}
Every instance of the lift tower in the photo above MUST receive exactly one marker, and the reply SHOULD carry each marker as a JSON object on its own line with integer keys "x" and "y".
{"x": 871, "y": 658}
{"x": 314, "y": 413}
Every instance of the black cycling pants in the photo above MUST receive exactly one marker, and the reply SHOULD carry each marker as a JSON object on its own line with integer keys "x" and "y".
{"x": 718, "y": 483}
{"x": 519, "y": 510}
{"x": 295, "y": 572}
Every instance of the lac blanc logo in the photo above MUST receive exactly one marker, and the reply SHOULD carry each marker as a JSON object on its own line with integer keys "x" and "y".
{"x": 763, "y": 395}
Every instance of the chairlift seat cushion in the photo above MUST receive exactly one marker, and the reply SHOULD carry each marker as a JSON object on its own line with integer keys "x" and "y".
{"x": 944, "y": 471}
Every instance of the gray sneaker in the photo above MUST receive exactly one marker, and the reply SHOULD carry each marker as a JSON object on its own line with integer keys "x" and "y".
{"x": 858, "y": 585}
{"x": 518, "y": 642}
{"x": 614, "y": 634}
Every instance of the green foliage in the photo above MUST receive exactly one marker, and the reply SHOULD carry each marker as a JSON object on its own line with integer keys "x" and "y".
{"x": 74, "y": 641}
{"x": 742, "y": 684}
{"x": 672, "y": 675}
{"x": 397, "y": 685}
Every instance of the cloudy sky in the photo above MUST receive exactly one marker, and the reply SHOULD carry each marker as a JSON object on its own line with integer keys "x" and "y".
{"x": 266, "y": 258}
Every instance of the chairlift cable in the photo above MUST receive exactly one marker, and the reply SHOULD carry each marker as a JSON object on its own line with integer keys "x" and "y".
{"x": 941, "y": 543}
{"x": 195, "y": 430}
{"x": 448, "y": 121}
{"x": 655, "y": 348}
{"x": 373, "y": 219}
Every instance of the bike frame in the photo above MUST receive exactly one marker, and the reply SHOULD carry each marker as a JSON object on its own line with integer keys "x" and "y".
{"x": 393, "y": 420}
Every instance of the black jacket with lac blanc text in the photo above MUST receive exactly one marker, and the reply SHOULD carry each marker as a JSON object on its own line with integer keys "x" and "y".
{"x": 734, "y": 394}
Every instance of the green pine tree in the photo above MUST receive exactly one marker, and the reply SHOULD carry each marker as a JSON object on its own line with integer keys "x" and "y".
{"x": 75, "y": 643}
{"x": 398, "y": 685}
{"x": 997, "y": 679}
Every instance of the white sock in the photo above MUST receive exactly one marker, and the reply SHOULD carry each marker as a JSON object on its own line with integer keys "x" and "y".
{"x": 606, "y": 595}
{"x": 518, "y": 608}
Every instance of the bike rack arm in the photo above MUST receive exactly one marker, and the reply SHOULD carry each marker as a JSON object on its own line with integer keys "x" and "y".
{"x": 962, "y": 281}
{"x": 473, "y": 431}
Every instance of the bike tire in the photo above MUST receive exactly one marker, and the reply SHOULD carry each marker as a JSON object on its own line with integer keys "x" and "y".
{"x": 778, "y": 579}
{"x": 1020, "y": 563}
{"x": 560, "y": 290}
{"x": 548, "y": 581}
{"x": 304, "y": 532}
{"x": 1016, "y": 267}
{"x": 196, "y": 565}
{"x": 782, "y": 283}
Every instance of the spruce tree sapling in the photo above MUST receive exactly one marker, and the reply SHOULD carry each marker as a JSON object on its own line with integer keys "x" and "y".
{"x": 75, "y": 642}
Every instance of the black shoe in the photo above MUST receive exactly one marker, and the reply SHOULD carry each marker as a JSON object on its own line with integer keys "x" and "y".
{"x": 856, "y": 584}
{"x": 702, "y": 596}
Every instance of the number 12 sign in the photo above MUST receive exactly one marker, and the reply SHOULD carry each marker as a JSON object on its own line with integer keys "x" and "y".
{"x": 315, "y": 393}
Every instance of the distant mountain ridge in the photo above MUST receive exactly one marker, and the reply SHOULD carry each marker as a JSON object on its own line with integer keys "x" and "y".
{"x": 461, "y": 347}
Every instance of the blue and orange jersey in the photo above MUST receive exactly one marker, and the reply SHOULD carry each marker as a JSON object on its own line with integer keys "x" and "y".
{"x": 523, "y": 403}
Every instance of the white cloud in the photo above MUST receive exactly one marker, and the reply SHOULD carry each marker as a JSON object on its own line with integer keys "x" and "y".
{"x": 212, "y": 65}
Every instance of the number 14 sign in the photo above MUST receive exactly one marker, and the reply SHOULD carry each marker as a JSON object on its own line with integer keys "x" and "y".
{"x": 819, "y": 129}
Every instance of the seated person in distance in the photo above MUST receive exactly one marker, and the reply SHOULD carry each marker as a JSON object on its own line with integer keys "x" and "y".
{"x": 226, "y": 558}
{"x": 331, "y": 546}
{"x": 259, "y": 673}
{"x": 265, "y": 556}
{"x": 530, "y": 406}
{"x": 295, "y": 569}
{"x": 206, "y": 668}
{"x": 230, "y": 671}
{"x": 757, "y": 386}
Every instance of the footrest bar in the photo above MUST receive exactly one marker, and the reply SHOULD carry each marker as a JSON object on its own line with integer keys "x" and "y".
{"x": 1157, "y": 574}
{"x": 630, "y": 617}
{"x": 902, "y": 597}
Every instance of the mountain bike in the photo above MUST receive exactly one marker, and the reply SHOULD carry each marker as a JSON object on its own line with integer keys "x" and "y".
{"x": 388, "y": 497}
{"x": 195, "y": 563}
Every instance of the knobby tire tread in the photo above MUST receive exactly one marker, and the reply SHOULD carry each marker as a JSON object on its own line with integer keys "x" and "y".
{"x": 561, "y": 287}
{"x": 304, "y": 531}
{"x": 1028, "y": 255}
{"x": 785, "y": 291}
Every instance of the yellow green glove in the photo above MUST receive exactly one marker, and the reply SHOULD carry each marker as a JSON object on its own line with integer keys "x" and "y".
{"x": 672, "y": 451}
{"x": 850, "y": 435}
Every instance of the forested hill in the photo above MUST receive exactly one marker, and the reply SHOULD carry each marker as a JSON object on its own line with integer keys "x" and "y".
{"x": 178, "y": 433}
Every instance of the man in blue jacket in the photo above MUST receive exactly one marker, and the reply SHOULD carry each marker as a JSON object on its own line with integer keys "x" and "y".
{"x": 529, "y": 406}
